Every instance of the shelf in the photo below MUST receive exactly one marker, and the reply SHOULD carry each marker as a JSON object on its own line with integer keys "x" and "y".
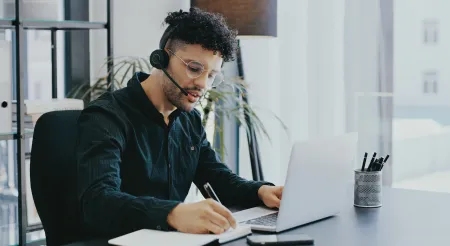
{"x": 13, "y": 134}
{"x": 6, "y": 23}
{"x": 11, "y": 233}
{"x": 35, "y": 238}
{"x": 19, "y": 230}
{"x": 34, "y": 227}
{"x": 8, "y": 197}
{"x": 62, "y": 25}
{"x": 7, "y": 135}
{"x": 53, "y": 24}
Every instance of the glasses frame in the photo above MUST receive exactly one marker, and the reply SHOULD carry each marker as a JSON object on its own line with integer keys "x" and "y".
{"x": 210, "y": 85}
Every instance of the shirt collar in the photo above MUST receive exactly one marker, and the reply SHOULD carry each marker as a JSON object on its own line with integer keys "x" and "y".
{"x": 144, "y": 102}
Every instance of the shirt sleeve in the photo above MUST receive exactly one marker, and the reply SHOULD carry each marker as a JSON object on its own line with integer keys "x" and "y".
{"x": 231, "y": 189}
{"x": 106, "y": 210}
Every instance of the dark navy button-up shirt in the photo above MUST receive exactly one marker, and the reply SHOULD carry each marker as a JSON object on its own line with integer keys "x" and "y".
{"x": 133, "y": 168}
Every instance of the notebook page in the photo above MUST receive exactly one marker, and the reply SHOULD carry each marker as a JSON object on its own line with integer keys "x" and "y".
{"x": 225, "y": 237}
{"x": 232, "y": 234}
{"x": 154, "y": 237}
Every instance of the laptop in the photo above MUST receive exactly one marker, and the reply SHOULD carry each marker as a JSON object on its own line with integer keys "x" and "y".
{"x": 317, "y": 180}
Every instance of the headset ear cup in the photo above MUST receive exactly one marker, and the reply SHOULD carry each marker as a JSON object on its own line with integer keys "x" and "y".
{"x": 159, "y": 59}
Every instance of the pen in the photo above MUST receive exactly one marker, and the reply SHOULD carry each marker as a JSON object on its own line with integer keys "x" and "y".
{"x": 209, "y": 190}
{"x": 369, "y": 168}
{"x": 385, "y": 160}
{"x": 372, "y": 165}
{"x": 380, "y": 163}
{"x": 375, "y": 165}
{"x": 364, "y": 162}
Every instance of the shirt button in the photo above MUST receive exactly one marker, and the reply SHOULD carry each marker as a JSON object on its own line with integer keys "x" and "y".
{"x": 170, "y": 165}
{"x": 158, "y": 227}
{"x": 192, "y": 148}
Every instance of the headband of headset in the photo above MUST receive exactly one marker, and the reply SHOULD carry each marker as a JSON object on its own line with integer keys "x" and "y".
{"x": 165, "y": 37}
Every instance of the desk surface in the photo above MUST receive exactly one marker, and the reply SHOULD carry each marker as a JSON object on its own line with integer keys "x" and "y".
{"x": 407, "y": 217}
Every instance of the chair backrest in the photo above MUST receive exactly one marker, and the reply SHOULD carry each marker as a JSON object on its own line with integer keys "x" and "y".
{"x": 53, "y": 177}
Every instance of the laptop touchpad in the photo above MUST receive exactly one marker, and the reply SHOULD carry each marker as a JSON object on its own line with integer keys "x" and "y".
{"x": 252, "y": 213}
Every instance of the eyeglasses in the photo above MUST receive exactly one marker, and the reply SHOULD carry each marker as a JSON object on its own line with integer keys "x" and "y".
{"x": 194, "y": 69}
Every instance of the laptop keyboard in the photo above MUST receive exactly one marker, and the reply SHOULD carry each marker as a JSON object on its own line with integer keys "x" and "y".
{"x": 267, "y": 220}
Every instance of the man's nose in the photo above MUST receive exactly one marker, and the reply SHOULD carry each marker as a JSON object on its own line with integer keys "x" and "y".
{"x": 202, "y": 81}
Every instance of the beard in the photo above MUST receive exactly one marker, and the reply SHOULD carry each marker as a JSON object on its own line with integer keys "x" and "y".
{"x": 176, "y": 97}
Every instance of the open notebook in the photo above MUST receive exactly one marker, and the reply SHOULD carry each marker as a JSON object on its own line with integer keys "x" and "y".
{"x": 154, "y": 237}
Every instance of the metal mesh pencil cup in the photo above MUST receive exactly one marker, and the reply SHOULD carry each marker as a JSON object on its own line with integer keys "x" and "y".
{"x": 367, "y": 189}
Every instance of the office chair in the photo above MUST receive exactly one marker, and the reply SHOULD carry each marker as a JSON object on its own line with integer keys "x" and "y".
{"x": 53, "y": 177}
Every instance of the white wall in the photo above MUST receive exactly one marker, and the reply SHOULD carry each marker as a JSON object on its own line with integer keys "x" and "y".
{"x": 137, "y": 27}
{"x": 264, "y": 93}
{"x": 293, "y": 50}
{"x": 325, "y": 67}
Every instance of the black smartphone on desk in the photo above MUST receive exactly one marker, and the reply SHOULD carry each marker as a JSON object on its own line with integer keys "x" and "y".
{"x": 287, "y": 239}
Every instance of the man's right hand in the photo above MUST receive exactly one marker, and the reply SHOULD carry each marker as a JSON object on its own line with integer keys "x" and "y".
{"x": 201, "y": 217}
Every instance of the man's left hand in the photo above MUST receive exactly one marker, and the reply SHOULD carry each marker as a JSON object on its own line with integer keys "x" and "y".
{"x": 271, "y": 195}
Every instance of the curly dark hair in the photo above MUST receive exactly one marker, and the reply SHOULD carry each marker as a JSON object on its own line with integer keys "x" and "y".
{"x": 209, "y": 30}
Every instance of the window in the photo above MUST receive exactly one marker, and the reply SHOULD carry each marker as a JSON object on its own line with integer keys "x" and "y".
{"x": 430, "y": 82}
{"x": 430, "y": 31}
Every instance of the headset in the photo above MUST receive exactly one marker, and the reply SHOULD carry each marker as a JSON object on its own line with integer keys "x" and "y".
{"x": 160, "y": 58}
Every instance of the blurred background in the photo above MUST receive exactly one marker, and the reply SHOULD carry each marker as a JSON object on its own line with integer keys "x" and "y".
{"x": 379, "y": 67}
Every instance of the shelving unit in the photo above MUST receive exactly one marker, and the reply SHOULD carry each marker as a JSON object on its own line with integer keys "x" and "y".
{"x": 19, "y": 25}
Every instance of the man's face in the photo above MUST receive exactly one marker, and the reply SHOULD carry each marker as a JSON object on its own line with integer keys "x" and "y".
{"x": 183, "y": 75}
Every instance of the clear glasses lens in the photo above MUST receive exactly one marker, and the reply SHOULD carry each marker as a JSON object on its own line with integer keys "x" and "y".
{"x": 194, "y": 69}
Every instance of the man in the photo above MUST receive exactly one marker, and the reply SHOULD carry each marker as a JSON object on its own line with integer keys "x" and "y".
{"x": 141, "y": 147}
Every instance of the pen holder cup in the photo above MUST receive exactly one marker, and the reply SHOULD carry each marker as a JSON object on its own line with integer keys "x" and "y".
{"x": 367, "y": 189}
